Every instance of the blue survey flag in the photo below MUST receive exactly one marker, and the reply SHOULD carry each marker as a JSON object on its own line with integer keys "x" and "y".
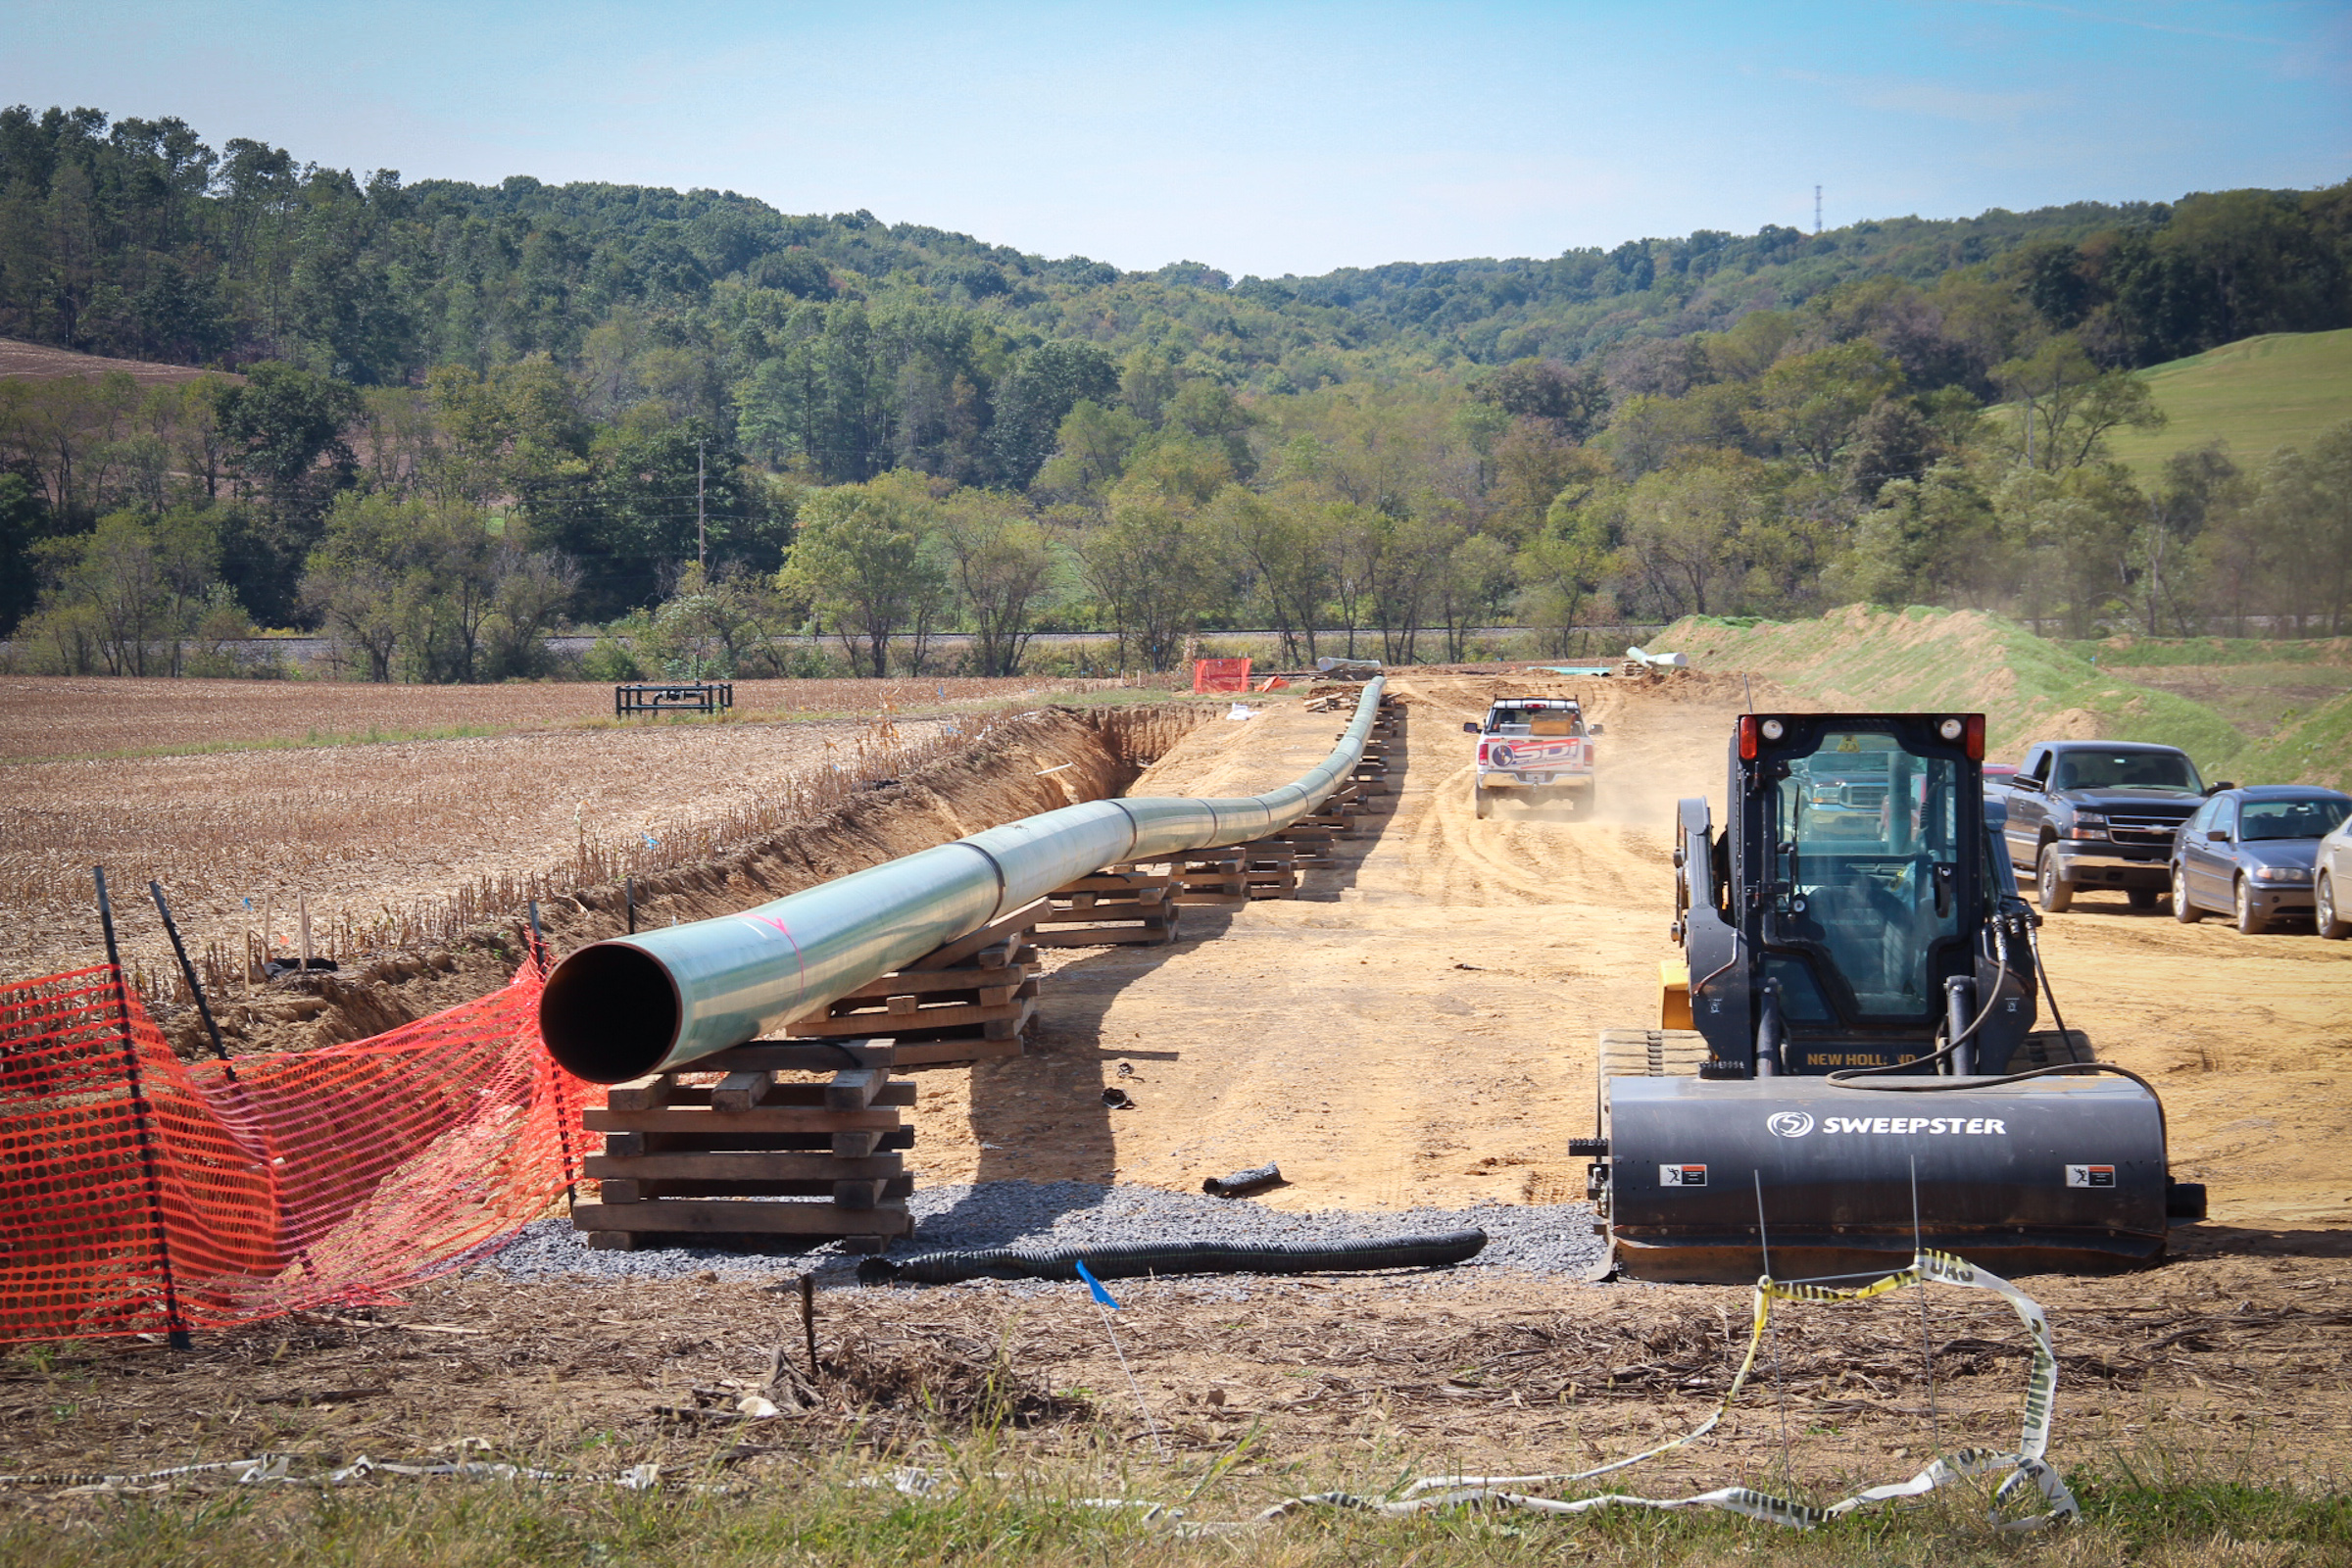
{"x": 1094, "y": 1285}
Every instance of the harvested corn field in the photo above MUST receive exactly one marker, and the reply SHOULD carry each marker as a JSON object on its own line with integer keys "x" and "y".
{"x": 407, "y": 844}
{"x": 62, "y": 717}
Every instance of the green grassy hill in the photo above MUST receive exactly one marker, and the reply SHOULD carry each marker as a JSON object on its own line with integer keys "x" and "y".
{"x": 2035, "y": 690}
{"x": 2258, "y": 394}
{"x": 2314, "y": 748}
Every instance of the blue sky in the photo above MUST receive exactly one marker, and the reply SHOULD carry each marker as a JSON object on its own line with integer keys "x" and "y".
{"x": 1257, "y": 137}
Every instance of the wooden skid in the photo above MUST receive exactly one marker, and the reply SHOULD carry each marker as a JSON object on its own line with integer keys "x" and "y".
{"x": 963, "y": 949}
{"x": 848, "y": 1193}
{"x": 722, "y": 1218}
{"x": 922, "y": 983}
{"x": 968, "y": 1048}
{"x": 726, "y": 1123}
{"x": 711, "y": 1166}
{"x": 700, "y": 1099}
{"x": 1109, "y": 936}
{"x": 1140, "y": 883}
{"x": 857, "y": 1144}
{"x": 907, "y": 1023}
{"x": 799, "y": 1056}
{"x": 1157, "y": 915}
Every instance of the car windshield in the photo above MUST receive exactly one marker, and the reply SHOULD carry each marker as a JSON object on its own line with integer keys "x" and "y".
{"x": 2136, "y": 770}
{"x": 2313, "y": 819}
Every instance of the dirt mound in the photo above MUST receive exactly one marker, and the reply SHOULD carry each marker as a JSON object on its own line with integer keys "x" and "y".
{"x": 1225, "y": 757}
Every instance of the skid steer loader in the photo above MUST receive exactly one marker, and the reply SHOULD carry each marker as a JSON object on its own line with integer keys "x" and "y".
{"x": 1847, "y": 1065}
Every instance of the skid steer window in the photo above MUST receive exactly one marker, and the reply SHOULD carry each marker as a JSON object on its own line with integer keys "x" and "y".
{"x": 1863, "y": 826}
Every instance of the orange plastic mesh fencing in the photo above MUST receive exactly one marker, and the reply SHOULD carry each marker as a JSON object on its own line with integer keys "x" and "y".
{"x": 140, "y": 1193}
{"x": 1220, "y": 675}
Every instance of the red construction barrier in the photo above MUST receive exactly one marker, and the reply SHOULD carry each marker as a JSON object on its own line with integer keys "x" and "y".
{"x": 1220, "y": 675}
{"x": 140, "y": 1193}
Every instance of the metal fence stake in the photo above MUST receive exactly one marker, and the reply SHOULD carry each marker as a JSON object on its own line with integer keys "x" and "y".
{"x": 175, "y": 1326}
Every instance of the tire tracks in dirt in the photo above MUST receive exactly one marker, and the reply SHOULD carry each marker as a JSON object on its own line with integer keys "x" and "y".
{"x": 1418, "y": 1027}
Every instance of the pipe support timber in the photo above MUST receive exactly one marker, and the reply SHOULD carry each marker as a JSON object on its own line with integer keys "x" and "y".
{"x": 660, "y": 1000}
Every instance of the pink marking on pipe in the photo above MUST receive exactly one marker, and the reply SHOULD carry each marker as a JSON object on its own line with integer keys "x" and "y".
{"x": 785, "y": 931}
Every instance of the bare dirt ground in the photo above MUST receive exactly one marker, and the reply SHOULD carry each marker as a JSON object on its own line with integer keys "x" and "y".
{"x": 1418, "y": 1028}
{"x": 1415, "y": 1029}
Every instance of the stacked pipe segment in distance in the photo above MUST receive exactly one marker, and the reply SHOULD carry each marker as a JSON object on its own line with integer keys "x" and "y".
{"x": 659, "y": 999}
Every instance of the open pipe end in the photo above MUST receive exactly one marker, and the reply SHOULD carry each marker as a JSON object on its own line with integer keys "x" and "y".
{"x": 610, "y": 1012}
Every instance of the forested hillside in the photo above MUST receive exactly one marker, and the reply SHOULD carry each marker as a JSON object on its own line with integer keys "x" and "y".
{"x": 471, "y": 412}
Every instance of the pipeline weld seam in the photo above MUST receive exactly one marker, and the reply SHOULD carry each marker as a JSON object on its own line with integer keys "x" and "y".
{"x": 994, "y": 865}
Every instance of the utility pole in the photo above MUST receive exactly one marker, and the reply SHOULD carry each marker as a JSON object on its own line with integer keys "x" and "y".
{"x": 702, "y": 537}
{"x": 1817, "y": 208}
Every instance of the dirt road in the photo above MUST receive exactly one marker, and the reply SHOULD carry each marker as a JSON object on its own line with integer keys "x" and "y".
{"x": 1418, "y": 1027}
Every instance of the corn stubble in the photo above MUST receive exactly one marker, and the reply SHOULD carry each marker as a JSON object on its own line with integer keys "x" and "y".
{"x": 413, "y": 843}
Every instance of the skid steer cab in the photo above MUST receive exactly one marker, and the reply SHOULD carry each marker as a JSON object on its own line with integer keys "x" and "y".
{"x": 1846, "y": 1064}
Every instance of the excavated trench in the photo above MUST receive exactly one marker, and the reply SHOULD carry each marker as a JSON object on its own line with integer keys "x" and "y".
{"x": 1038, "y": 762}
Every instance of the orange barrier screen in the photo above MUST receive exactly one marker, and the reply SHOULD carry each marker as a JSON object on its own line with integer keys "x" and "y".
{"x": 1220, "y": 675}
{"x": 140, "y": 1193}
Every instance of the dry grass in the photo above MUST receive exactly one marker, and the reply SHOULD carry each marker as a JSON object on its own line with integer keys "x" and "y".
{"x": 2191, "y": 1426}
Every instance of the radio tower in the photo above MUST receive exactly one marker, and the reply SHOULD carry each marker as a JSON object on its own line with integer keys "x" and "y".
{"x": 1817, "y": 208}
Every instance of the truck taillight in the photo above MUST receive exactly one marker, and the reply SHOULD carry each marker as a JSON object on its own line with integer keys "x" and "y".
{"x": 1482, "y": 750}
{"x": 1747, "y": 737}
{"x": 1976, "y": 737}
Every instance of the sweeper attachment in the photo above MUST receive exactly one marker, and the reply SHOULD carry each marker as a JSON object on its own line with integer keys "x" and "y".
{"x": 1846, "y": 1068}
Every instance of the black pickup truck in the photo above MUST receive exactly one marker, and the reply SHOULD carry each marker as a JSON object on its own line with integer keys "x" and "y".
{"x": 2098, "y": 814}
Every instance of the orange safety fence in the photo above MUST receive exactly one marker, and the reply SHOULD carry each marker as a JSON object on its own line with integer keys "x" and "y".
{"x": 140, "y": 1193}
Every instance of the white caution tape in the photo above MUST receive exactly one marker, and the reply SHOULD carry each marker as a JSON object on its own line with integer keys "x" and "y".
{"x": 2027, "y": 1466}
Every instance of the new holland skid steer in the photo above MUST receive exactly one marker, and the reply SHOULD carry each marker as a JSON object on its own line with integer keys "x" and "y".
{"x": 1846, "y": 1066}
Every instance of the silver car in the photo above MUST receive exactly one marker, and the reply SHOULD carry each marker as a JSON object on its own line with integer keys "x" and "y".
{"x": 2253, "y": 853}
{"x": 2332, "y": 892}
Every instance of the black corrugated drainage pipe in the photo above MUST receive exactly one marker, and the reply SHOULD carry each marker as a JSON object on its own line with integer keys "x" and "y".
{"x": 1133, "y": 1259}
{"x": 1241, "y": 1183}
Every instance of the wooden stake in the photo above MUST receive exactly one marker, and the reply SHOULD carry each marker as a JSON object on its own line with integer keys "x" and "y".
{"x": 808, "y": 1321}
{"x": 303, "y": 903}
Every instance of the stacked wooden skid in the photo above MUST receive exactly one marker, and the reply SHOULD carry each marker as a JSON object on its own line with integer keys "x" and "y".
{"x": 1228, "y": 878}
{"x": 749, "y": 1147}
{"x": 1110, "y": 908}
{"x": 969, "y": 1000}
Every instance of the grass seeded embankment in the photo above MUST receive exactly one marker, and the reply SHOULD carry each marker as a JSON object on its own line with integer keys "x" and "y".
{"x": 2314, "y": 748}
{"x": 2248, "y": 710}
{"x": 2292, "y": 700}
{"x": 2028, "y": 687}
{"x": 2258, "y": 394}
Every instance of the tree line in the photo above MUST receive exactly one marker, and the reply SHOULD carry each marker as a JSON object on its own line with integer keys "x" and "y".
{"x": 461, "y": 416}
{"x": 135, "y": 237}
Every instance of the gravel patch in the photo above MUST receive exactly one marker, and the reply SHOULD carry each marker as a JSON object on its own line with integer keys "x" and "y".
{"x": 1552, "y": 1240}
